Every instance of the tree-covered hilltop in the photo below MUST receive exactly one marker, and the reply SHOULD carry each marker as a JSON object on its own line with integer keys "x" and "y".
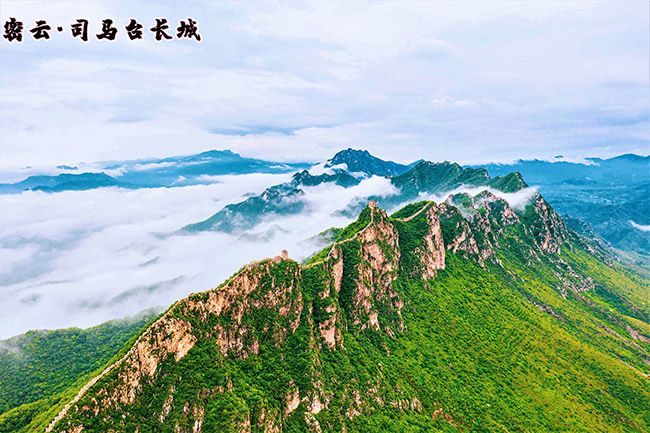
{"x": 37, "y": 365}
{"x": 462, "y": 316}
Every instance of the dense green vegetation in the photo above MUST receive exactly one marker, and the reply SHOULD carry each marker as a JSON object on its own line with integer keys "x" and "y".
{"x": 409, "y": 210}
{"x": 38, "y": 365}
{"x": 359, "y": 224}
{"x": 446, "y": 176}
{"x": 602, "y": 197}
{"x": 529, "y": 341}
{"x": 475, "y": 347}
{"x": 411, "y": 236}
{"x": 411, "y": 181}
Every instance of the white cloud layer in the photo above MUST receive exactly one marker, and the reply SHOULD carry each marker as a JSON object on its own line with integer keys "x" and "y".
{"x": 642, "y": 227}
{"x": 74, "y": 257}
{"x": 287, "y": 81}
{"x": 517, "y": 200}
{"x": 79, "y": 258}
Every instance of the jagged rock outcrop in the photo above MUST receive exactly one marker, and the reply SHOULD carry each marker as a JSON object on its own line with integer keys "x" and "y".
{"x": 458, "y": 234}
{"x": 545, "y": 225}
{"x": 347, "y": 169}
{"x": 362, "y": 269}
{"x": 358, "y": 275}
{"x": 432, "y": 250}
{"x": 473, "y": 225}
{"x": 377, "y": 252}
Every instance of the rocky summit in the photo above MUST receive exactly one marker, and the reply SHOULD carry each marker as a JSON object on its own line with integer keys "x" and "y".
{"x": 466, "y": 315}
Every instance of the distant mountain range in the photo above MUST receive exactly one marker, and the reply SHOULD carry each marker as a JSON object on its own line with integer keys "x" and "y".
{"x": 606, "y": 198}
{"x": 361, "y": 161}
{"x": 612, "y": 195}
{"x": 470, "y": 312}
{"x": 151, "y": 173}
{"x": 64, "y": 182}
{"x": 410, "y": 180}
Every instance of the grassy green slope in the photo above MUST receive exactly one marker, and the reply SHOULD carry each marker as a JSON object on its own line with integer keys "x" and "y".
{"x": 479, "y": 349}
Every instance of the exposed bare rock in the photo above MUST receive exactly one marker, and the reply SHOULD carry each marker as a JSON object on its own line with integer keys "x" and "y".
{"x": 546, "y": 226}
{"x": 292, "y": 402}
{"x": 377, "y": 249}
{"x": 173, "y": 336}
{"x": 275, "y": 303}
{"x": 378, "y": 268}
{"x": 636, "y": 335}
{"x": 432, "y": 251}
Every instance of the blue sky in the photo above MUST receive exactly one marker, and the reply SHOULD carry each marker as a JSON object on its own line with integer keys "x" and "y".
{"x": 468, "y": 82}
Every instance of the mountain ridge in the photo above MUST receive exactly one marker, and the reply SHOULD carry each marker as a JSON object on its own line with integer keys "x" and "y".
{"x": 65, "y": 182}
{"x": 361, "y": 161}
{"x": 285, "y": 346}
{"x": 607, "y": 194}
{"x": 171, "y": 171}
{"x": 417, "y": 178}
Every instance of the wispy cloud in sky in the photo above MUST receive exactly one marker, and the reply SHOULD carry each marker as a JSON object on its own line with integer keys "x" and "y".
{"x": 407, "y": 80}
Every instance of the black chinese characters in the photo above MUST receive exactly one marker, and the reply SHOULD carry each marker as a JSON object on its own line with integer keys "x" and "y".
{"x": 79, "y": 29}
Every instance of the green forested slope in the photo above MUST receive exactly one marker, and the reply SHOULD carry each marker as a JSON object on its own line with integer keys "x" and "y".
{"x": 37, "y": 365}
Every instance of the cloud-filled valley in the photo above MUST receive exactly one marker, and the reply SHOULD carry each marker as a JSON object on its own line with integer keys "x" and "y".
{"x": 74, "y": 256}
{"x": 78, "y": 258}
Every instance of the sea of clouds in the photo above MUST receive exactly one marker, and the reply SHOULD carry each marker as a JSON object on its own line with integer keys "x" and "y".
{"x": 79, "y": 258}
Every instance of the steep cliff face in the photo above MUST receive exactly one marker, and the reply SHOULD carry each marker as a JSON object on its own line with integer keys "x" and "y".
{"x": 459, "y": 236}
{"x": 343, "y": 338}
{"x": 432, "y": 250}
{"x": 473, "y": 225}
{"x": 261, "y": 305}
{"x": 365, "y": 267}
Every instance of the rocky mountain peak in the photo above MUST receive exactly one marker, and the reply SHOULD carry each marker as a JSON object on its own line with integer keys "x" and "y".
{"x": 545, "y": 225}
{"x": 361, "y": 161}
